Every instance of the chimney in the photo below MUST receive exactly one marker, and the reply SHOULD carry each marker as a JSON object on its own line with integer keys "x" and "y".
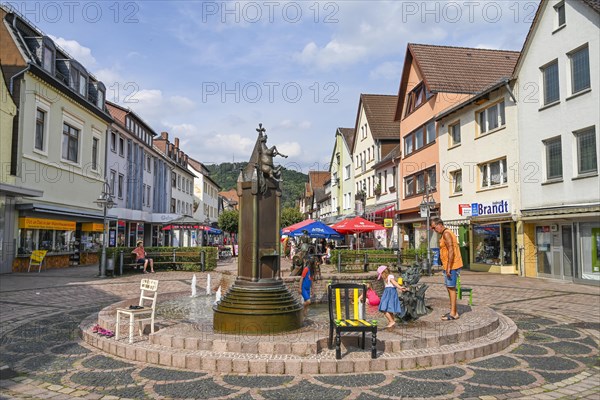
{"x": 177, "y": 143}
{"x": 164, "y": 135}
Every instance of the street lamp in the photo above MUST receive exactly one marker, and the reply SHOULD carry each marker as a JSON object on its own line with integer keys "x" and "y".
{"x": 105, "y": 201}
{"x": 427, "y": 204}
{"x": 205, "y": 232}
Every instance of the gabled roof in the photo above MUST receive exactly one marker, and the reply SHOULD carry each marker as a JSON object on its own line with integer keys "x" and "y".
{"x": 449, "y": 69}
{"x": 348, "y": 135}
{"x": 198, "y": 166}
{"x": 379, "y": 110}
{"x": 119, "y": 113}
{"x": 594, "y": 4}
{"x": 389, "y": 157}
{"x": 317, "y": 179}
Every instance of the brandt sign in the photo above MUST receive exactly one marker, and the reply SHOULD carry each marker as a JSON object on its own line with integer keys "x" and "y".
{"x": 479, "y": 209}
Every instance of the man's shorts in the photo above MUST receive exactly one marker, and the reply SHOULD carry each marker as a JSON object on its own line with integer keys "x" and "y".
{"x": 451, "y": 282}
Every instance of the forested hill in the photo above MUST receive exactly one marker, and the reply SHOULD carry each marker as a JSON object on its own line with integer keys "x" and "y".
{"x": 292, "y": 187}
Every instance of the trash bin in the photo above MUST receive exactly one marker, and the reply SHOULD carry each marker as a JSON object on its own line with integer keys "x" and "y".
{"x": 110, "y": 266}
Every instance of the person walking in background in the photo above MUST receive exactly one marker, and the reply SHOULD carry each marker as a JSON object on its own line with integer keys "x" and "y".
{"x": 306, "y": 285}
{"x": 451, "y": 263}
{"x": 390, "y": 303}
{"x": 140, "y": 257}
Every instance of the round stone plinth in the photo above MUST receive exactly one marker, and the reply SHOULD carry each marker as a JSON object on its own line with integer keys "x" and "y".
{"x": 258, "y": 310}
{"x": 192, "y": 343}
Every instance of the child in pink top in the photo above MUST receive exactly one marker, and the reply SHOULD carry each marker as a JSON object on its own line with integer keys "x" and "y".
{"x": 372, "y": 298}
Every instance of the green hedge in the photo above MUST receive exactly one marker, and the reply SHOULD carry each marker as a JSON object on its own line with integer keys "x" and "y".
{"x": 211, "y": 256}
{"x": 353, "y": 260}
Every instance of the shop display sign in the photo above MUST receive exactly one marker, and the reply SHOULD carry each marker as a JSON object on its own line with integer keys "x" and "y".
{"x": 92, "y": 227}
{"x": 388, "y": 222}
{"x": 464, "y": 210}
{"x": 47, "y": 224}
{"x": 493, "y": 208}
{"x": 112, "y": 238}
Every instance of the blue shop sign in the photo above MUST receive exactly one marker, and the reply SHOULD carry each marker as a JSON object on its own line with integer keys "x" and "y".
{"x": 493, "y": 208}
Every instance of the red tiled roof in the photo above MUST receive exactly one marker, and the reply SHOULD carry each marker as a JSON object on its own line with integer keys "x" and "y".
{"x": 118, "y": 113}
{"x": 317, "y": 179}
{"x": 461, "y": 69}
{"x": 379, "y": 110}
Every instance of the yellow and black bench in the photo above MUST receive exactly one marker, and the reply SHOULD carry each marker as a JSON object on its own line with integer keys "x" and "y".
{"x": 347, "y": 317}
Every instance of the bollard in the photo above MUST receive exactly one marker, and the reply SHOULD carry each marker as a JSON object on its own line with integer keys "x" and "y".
{"x": 366, "y": 262}
{"x": 339, "y": 262}
{"x": 121, "y": 263}
{"x": 203, "y": 259}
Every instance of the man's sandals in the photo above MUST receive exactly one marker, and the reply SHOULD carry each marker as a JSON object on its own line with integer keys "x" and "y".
{"x": 448, "y": 317}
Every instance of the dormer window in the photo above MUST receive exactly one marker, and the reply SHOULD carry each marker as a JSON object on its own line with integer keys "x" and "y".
{"x": 100, "y": 95}
{"x": 48, "y": 59}
{"x": 416, "y": 97}
{"x": 78, "y": 78}
{"x": 48, "y": 54}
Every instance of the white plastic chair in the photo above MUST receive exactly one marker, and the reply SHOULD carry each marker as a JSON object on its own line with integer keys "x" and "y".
{"x": 148, "y": 293}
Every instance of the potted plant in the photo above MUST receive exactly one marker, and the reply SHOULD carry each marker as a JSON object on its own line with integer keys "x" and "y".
{"x": 377, "y": 189}
{"x": 392, "y": 189}
{"x": 360, "y": 195}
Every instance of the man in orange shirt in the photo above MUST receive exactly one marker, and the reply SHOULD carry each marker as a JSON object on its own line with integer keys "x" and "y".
{"x": 451, "y": 263}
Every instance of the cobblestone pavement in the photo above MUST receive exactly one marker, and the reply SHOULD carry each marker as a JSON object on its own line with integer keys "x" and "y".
{"x": 42, "y": 357}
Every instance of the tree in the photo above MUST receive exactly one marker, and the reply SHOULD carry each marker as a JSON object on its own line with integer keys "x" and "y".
{"x": 228, "y": 221}
{"x": 290, "y": 216}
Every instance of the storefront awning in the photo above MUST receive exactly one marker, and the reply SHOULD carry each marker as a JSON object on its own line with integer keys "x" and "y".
{"x": 14, "y": 190}
{"x": 63, "y": 211}
{"x": 589, "y": 210}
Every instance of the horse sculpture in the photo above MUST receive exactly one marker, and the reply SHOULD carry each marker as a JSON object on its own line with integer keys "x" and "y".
{"x": 266, "y": 159}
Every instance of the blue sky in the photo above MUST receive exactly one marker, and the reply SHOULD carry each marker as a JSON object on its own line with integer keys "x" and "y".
{"x": 209, "y": 72}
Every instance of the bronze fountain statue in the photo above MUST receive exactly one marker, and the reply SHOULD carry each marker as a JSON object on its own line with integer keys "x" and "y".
{"x": 259, "y": 302}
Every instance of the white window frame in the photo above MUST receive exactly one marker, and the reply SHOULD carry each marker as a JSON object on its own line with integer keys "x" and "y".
{"x": 454, "y": 190}
{"x": 451, "y": 130}
{"x": 95, "y": 139}
{"x": 111, "y": 182}
{"x": 44, "y": 106}
{"x": 120, "y": 186}
{"x": 121, "y": 146}
{"x": 485, "y": 169}
{"x": 77, "y": 126}
{"x": 52, "y": 53}
{"x": 113, "y": 141}
{"x": 483, "y": 118}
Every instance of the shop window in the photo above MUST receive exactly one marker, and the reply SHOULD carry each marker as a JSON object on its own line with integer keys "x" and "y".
{"x": 553, "y": 159}
{"x": 70, "y": 143}
{"x": 26, "y": 241}
{"x": 493, "y": 244}
{"x": 45, "y": 241}
{"x": 587, "y": 159}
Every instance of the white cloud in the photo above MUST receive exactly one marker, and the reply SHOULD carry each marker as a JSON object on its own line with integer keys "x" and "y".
{"x": 182, "y": 102}
{"x": 304, "y": 125}
{"x": 389, "y": 70}
{"x": 290, "y": 149}
{"x": 79, "y": 52}
{"x": 334, "y": 53}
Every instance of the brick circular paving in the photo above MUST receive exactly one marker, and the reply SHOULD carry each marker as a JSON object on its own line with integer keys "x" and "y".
{"x": 556, "y": 354}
